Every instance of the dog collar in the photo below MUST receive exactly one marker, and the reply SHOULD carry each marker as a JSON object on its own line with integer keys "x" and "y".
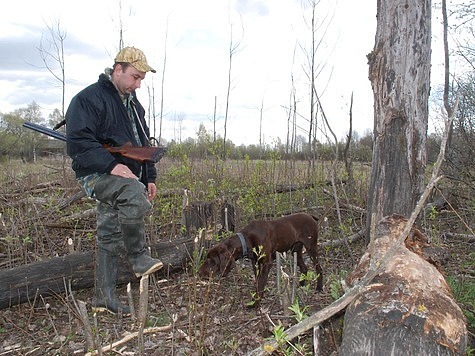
{"x": 243, "y": 244}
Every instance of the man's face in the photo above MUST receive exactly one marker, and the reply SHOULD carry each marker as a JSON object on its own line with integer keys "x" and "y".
{"x": 128, "y": 80}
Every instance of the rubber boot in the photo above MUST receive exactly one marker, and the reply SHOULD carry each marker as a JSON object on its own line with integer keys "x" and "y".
{"x": 137, "y": 254}
{"x": 105, "y": 298}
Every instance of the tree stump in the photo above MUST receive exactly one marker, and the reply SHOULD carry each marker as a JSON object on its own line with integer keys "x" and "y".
{"x": 408, "y": 309}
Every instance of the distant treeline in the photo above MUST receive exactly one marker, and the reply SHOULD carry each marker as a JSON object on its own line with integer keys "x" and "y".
{"x": 19, "y": 142}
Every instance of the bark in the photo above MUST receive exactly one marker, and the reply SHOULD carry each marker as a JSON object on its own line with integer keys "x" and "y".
{"x": 46, "y": 278}
{"x": 399, "y": 71}
{"x": 407, "y": 309}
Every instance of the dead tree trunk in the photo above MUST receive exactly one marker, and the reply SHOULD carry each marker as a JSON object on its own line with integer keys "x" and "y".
{"x": 399, "y": 71}
{"x": 408, "y": 309}
{"x": 46, "y": 278}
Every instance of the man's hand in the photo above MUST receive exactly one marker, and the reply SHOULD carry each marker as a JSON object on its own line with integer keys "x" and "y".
{"x": 121, "y": 170}
{"x": 151, "y": 191}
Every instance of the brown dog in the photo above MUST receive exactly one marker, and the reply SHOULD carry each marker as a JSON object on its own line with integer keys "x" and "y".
{"x": 291, "y": 232}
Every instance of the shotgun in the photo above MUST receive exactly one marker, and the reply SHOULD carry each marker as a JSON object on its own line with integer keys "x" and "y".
{"x": 142, "y": 154}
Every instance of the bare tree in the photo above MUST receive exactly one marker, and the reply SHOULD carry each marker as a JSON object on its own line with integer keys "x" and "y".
{"x": 261, "y": 110}
{"x": 346, "y": 152}
{"x": 233, "y": 48}
{"x": 152, "y": 115}
{"x": 151, "y": 110}
{"x": 291, "y": 122}
{"x": 459, "y": 82}
{"x": 52, "y": 49}
{"x": 399, "y": 70}
{"x": 311, "y": 74}
{"x": 178, "y": 121}
{"x": 121, "y": 27}
{"x": 447, "y": 106}
{"x": 465, "y": 29}
{"x": 162, "y": 96}
{"x": 215, "y": 118}
{"x": 315, "y": 66}
{"x": 290, "y": 146}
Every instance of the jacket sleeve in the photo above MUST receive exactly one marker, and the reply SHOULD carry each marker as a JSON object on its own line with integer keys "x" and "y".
{"x": 83, "y": 123}
{"x": 151, "y": 172}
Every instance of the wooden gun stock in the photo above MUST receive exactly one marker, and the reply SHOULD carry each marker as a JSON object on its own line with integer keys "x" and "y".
{"x": 142, "y": 154}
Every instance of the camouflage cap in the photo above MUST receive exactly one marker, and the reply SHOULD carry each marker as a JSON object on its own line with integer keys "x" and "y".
{"x": 135, "y": 57}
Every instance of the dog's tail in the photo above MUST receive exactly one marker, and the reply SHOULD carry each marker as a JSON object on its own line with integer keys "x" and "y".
{"x": 315, "y": 218}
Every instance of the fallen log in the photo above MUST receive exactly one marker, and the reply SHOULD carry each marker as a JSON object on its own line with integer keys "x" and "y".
{"x": 26, "y": 283}
{"x": 408, "y": 309}
{"x": 339, "y": 242}
{"x": 463, "y": 237}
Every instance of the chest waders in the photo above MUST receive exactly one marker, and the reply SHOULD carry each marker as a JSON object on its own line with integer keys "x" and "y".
{"x": 122, "y": 205}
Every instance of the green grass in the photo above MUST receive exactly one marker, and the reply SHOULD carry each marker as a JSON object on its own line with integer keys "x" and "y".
{"x": 464, "y": 293}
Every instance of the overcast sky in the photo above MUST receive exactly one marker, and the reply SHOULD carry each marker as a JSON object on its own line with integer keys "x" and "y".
{"x": 272, "y": 40}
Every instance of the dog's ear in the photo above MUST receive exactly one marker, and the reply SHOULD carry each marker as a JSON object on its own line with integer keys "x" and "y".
{"x": 229, "y": 266}
{"x": 204, "y": 269}
{"x": 210, "y": 264}
{"x": 215, "y": 262}
{"x": 218, "y": 262}
{"x": 226, "y": 261}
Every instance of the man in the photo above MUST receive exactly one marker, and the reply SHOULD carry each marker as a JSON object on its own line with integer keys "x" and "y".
{"x": 108, "y": 112}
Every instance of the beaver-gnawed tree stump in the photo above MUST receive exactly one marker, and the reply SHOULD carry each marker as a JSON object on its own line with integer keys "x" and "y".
{"x": 408, "y": 309}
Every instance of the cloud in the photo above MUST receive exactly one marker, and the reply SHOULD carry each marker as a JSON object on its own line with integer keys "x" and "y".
{"x": 259, "y": 8}
{"x": 20, "y": 54}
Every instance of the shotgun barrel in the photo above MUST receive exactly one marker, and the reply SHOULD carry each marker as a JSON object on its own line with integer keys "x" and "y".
{"x": 44, "y": 130}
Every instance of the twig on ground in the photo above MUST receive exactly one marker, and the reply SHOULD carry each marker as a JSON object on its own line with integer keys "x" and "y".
{"x": 143, "y": 306}
{"x": 129, "y": 337}
{"x": 80, "y": 307}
